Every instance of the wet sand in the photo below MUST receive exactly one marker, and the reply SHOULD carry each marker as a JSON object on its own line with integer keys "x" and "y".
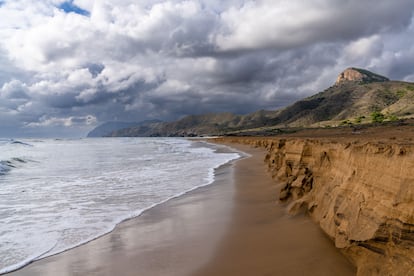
{"x": 232, "y": 227}
{"x": 174, "y": 238}
{"x": 263, "y": 239}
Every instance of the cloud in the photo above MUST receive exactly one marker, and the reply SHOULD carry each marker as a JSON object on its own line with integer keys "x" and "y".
{"x": 135, "y": 60}
{"x": 286, "y": 24}
{"x": 14, "y": 90}
{"x": 364, "y": 48}
{"x": 46, "y": 121}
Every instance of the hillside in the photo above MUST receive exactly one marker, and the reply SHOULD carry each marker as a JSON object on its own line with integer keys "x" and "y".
{"x": 109, "y": 127}
{"x": 354, "y": 97}
{"x": 200, "y": 125}
{"x": 350, "y": 101}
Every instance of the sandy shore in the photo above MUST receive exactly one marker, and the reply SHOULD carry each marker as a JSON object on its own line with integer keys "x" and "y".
{"x": 232, "y": 227}
{"x": 263, "y": 239}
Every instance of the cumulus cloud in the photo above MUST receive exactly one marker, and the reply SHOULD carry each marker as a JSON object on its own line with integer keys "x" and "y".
{"x": 63, "y": 61}
{"x": 14, "y": 90}
{"x": 364, "y": 48}
{"x": 285, "y": 24}
{"x": 46, "y": 121}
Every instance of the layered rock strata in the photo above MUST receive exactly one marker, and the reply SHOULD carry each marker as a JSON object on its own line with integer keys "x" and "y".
{"x": 360, "y": 193}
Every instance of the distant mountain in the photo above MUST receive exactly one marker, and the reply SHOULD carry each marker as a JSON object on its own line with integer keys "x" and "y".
{"x": 356, "y": 94}
{"x": 198, "y": 125}
{"x": 106, "y": 128}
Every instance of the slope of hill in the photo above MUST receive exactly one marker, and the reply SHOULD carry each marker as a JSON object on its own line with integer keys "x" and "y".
{"x": 355, "y": 96}
{"x": 200, "y": 125}
{"x": 106, "y": 128}
{"x": 350, "y": 101}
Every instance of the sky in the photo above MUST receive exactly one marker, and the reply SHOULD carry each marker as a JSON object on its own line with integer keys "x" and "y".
{"x": 68, "y": 66}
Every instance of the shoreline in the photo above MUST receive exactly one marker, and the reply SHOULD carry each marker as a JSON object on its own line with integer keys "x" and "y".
{"x": 358, "y": 191}
{"x": 201, "y": 232}
{"x": 183, "y": 202}
{"x": 263, "y": 239}
{"x": 211, "y": 178}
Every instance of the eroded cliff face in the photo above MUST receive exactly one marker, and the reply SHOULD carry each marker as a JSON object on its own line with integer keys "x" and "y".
{"x": 360, "y": 193}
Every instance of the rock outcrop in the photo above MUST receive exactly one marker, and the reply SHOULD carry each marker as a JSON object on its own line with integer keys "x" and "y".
{"x": 360, "y": 76}
{"x": 360, "y": 193}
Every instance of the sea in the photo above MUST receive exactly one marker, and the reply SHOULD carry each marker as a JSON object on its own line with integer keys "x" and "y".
{"x": 56, "y": 194}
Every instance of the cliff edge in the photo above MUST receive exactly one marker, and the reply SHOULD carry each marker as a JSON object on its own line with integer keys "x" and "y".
{"x": 361, "y": 193}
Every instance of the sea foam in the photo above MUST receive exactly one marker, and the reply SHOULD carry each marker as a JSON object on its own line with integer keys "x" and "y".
{"x": 63, "y": 193}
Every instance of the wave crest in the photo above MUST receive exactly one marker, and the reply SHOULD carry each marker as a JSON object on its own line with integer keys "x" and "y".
{"x": 17, "y": 142}
{"x": 7, "y": 165}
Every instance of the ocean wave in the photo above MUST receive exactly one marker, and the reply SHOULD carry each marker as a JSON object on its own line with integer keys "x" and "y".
{"x": 4, "y": 168}
{"x": 106, "y": 193}
{"x": 5, "y": 142}
{"x": 7, "y": 165}
{"x": 133, "y": 214}
{"x": 17, "y": 142}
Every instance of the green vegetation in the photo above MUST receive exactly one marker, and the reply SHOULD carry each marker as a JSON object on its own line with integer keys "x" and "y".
{"x": 410, "y": 87}
{"x": 401, "y": 93}
{"x": 359, "y": 119}
{"x": 346, "y": 123}
{"x": 393, "y": 118}
{"x": 377, "y": 117}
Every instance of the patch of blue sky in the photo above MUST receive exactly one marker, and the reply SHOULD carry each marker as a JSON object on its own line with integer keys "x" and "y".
{"x": 68, "y": 7}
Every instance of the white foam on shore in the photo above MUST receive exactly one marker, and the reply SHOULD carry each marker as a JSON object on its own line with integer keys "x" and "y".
{"x": 198, "y": 165}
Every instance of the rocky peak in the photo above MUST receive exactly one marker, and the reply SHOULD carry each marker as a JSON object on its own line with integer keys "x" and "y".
{"x": 359, "y": 75}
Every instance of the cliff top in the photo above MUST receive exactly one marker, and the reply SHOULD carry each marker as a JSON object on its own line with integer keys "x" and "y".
{"x": 359, "y": 75}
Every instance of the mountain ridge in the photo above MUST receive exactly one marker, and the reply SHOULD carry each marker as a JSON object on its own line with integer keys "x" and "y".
{"x": 355, "y": 95}
{"x": 111, "y": 126}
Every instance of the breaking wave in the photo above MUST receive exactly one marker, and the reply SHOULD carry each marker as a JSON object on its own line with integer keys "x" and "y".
{"x": 7, "y": 165}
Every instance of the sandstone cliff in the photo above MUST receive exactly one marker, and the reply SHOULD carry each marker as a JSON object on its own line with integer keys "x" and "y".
{"x": 360, "y": 193}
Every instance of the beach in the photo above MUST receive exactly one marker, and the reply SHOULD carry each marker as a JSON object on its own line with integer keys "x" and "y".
{"x": 234, "y": 226}
{"x": 263, "y": 239}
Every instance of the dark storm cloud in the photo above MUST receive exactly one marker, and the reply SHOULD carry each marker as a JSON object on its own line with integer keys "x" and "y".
{"x": 402, "y": 66}
{"x": 166, "y": 59}
{"x": 95, "y": 69}
{"x": 264, "y": 79}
